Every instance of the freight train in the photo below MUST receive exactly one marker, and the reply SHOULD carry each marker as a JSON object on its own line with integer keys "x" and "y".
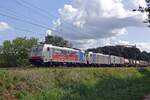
{"x": 49, "y": 55}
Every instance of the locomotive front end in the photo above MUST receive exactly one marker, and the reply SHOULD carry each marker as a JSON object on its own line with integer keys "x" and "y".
{"x": 36, "y": 55}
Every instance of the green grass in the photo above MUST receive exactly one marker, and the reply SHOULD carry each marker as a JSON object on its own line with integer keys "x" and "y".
{"x": 74, "y": 84}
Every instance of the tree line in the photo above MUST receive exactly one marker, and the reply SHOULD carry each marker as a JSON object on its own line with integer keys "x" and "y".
{"x": 16, "y": 53}
{"x": 123, "y": 51}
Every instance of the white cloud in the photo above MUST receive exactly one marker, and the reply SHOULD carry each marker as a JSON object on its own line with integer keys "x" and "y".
{"x": 68, "y": 12}
{"x": 142, "y": 3}
{"x": 92, "y": 43}
{"x": 119, "y": 31}
{"x": 48, "y": 33}
{"x": 56, "y": 23}
{"x": 144, "y": 46}
{"x": 4, "y": 26}
{"x": 89, "y": 23}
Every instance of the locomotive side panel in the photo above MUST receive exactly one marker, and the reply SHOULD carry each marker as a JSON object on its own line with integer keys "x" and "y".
{"x": 117, "y": 61}
{"x": 82, "y": 57}
{"x": 90, "y": 58}
{"x": 102, "y": 59}
{"x": 47, "y": 54}
{"x": 122, "y": 61}
{"x": 112, "y": 60}
{"x": 64, "y": 55}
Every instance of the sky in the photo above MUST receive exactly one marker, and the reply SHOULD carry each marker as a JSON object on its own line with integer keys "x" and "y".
{"x": 85, "y": 23}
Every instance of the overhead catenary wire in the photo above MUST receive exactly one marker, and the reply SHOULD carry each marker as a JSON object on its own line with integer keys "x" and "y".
{"x": 49, "y": 15}
{"x": 15, "y": 27}
{"x": 26, "y": 4}
{"x": 30, "y": 6}
{"x": 26, "y": 21}
{"x": 28, "y": 31}
{"x": 7, "y": 10}
{"x": 36, "y": 7}
{"x": 24, "y": 30}
{"x": 39, "y": 25}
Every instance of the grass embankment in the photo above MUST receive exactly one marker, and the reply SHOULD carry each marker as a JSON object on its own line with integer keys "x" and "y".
{"x": 74, "y": 84}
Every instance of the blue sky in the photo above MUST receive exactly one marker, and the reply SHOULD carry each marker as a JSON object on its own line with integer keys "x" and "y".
{"x": 132, "y": 36}
{"x": 30, "y": 14}
{"x": 136, "y": 35}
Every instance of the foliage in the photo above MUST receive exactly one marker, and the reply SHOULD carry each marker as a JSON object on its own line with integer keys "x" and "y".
{"x": 75, "y": 84}
{"x": 127, "y": 52}
{"x": 16, "y": 52}
{"x": 57, "y": 41}
{"x": 145, "y": 10}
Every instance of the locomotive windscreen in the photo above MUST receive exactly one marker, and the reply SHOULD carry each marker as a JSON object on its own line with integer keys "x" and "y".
{"x": 37, "y": 51}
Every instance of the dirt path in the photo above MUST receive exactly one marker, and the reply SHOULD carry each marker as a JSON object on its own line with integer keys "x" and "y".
{"x": 147, "y": 97}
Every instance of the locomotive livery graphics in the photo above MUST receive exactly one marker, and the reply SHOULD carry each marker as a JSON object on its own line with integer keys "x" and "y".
{"x": 49, "y": 54}
{"x": 60, "y": 55}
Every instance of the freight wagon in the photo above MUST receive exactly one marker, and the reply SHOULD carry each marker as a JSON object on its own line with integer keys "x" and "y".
{"x": 97, "y": 59}
{"x": 45, "y": 54}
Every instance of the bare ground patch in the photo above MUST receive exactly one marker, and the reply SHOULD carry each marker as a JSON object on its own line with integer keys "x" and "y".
{"x": 147, "y": 97}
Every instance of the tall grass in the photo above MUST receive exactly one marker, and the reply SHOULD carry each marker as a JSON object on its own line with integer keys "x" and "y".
{"x": 74, "y": 84}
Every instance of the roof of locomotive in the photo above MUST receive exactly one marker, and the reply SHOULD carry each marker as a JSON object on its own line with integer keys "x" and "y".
{"x": 100, "y": 54}
{"x": 63, "y": 48}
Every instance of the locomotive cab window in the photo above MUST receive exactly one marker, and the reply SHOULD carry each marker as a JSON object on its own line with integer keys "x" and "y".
{"x": 91, "y": 55}
{"x": 48, "y": 49}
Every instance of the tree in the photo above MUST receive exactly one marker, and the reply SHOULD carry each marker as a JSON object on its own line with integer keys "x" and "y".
{"x": 57, "y": 41}
{"x": 126, "y": 52}
{"x": 8, "y": 56}
{"x": 22, "y": 48}
{"x": 145, "y": 10}
{"x": 16, "y": 52}
{"x": 144, "y": 56}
